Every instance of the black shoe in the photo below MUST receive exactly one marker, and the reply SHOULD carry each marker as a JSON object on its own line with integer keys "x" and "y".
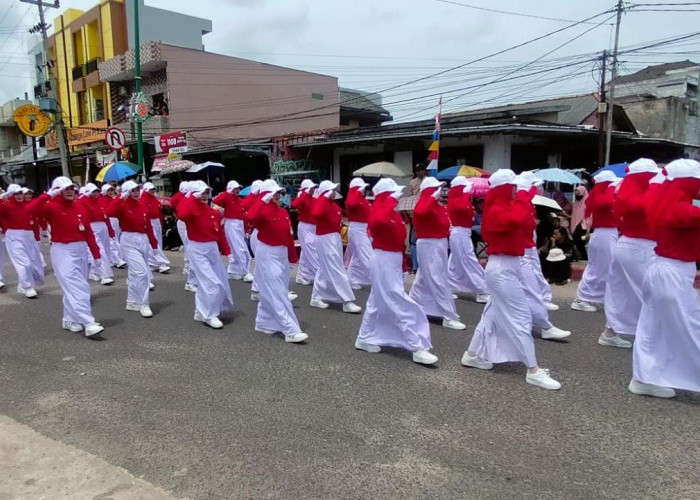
{"x": 97, "y": 337}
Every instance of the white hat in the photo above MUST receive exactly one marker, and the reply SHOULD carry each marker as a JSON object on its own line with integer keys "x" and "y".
{"x": 13, "y": 189}
{"x": 531, "y": 177}
{"x": 679, "y": 169}
{"x": 501, "y": 177}
{"x": 129, "y": 186}
{"x": 460, "y": 180}
{"x": 358, "y": 183}
{"x": 90, "y": 188}
{"x": 307, "y": 184}
{"x": 63, "y": 183}
{"x": 643, "y": 165}
{"x": 185, "y": 187}
{"x": 149, "y": 186}
{"x": 658, "y": 178}
{"x": 231, "y": 186}
{"x": 605, "y": 176}
{"x": 326, "y": 186}
{"x": 556, "y": 255}
{"x": 269, "y": 186}
{"x": 255, "y": 186}
{"x": 386, "y": 185}
{"x": 106, "y": 187}
{"x": 430, "y": 182}
{"x": 198, "y": 188}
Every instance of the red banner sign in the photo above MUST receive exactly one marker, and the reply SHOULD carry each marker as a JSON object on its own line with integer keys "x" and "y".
{"x": 173, "y": 142}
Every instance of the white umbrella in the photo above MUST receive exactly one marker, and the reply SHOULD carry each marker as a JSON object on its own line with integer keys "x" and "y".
{"x": 558, "y": 175}
{"x": 381, "y": 169}
{"x": 545, "y": 202}
{"x": 202, "y": 166}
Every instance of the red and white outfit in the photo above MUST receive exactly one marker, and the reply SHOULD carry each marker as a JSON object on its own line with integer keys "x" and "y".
{"x": 115, "y": 252}
{"x": 306, "y": 231}
{"x": 102, "y": 228}
{"x": 175, "y": 200}
{"x": 359, "y": 245}
{"x": 157, "y": 259}
{"x": 250, "y": 204}
{"x": 239, "y": 262}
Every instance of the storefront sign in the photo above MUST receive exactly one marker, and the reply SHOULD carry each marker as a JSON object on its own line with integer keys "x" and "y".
{"x": 31, "y": 121}
{"x": 173, "y": 142}
{"x": 85, "y": 134}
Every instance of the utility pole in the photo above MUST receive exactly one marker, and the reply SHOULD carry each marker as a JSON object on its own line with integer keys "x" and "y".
{"x": 611, "y": 99}
{"x": 602, "y": 116}
{"x": 137, "y": 83}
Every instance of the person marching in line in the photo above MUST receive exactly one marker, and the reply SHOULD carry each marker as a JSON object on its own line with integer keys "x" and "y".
{"x": 20, "y": 241}
{"x": 504, "y": 332}
{"x": 115, "y": 257}
{"x": 137, "y": 241}
{"x": 464, "y": 270}
{"x": 591, "y": 288}
{"x": 175, "y": 200}
{"x": 36, "y": 224}
{"x": 250, "y": 205}
{"x": 71, "y": 238}
{"x": 358, "y": 209}
{"x": 103, "y": 231}
{"x": 306, "y": 231}
{"x": 331, "y": 282}
{"x": 666, "y": 351}
{"x": 391, "y": 318}
{"x": 633, "y": 254}
{"x": 207, "y": 243}
{"x": 431, "y": 288}
{"x": 275, "y": 253}
{"x": 157, "y": 260}
{"x": 234, "y": 227}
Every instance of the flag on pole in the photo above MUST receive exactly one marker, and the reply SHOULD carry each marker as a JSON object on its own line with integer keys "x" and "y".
{"x": 434, "y": 148}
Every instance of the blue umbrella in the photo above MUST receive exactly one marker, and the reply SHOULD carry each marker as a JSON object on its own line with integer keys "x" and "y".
{"x": 245, "y": 191}
{"x": 619, "y": 169}
{"x": 558, "y": 175}
{"x": 448, "y": 174}
{"x": 117, "y": 171}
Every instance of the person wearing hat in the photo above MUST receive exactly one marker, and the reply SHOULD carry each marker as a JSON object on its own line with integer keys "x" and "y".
{"x": 234, "y": 227}
{"x": 632, "y": 256}
{"x": 18, "y": 225}
{"x": 306, "y": 230}
{"x": 115, "y": 250}
{"x": 331, "y": 283}
{"x": 358, "y": 209}
{"x": 599, "y": 206}
{"x": 137, "y": 241}
{"x": 207, "y": 243}
{"x": 175, "y": 200}
{"x": 666, "y": 351}
{"x": 431, "y": 288}
{"x": 391, "y": 318}
{"x": 504, "y": 333}
{"x": 102, "y": 228}
{"x": 71, "y": 238}
{"x": 149, "y": 200}
{"x": 464, "y": 270}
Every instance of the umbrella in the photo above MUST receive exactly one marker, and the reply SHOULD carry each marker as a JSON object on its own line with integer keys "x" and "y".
{"x": 245, "y": 191}
{"x": 480, "y": 186}
{"x": 545, "y": 202}
{"x": 464, "y": 170}
{"x": 381, "y": 169}
{"x": 117, "y": 171}
{"x": 172, "y": 167}
{"x": 619, "y": 169}
{"x": 207, "y": 167}
{"x": 558, "y": 175}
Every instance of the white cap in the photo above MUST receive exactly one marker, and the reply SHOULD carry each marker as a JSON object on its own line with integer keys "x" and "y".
{"x": 430, "y": 182}
{"x": 680, "y": 169}
{"x": 255, "y": 186}
{"x": 13, "y": 189}
{"x": 605, "y": 176}
{"x": 386, "y": 185}
{"x": 501, "y": 177}
{"x": 307, "y": 184}
{"x": 531, "y": 177}
{"x": 129, "y": 186}
{"x": 63, "y": 183}
{"x": 185, "y": 187}
{"x": 326, "y": 186}
{"x": 197, "y": 188}
{"x": 460, "y": 180}
{"x": 658, "y": 178}
{"x": 358, "y": 183}
{"x": 90, "y": 188}
{"x": 231, "y": 186}
{"x": 268, "y": 186}
{"x": 106, "y": 187}
{"x": 643, "y": 165}
{"x": 149, "y": 186}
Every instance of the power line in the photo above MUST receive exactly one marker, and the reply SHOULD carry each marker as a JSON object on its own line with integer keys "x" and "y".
{"x": 510, "y": 13}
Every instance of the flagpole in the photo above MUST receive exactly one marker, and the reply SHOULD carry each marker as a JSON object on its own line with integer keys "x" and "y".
{"x": 434, "y": 149}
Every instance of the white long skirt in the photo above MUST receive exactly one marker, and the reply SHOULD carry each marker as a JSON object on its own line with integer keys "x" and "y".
{"x": 623, "y": 290}
{"x": 431, "y": 289}
{"x": 545, "y": 290}
{"x": 530, "y": 275}
{"x": 667, "y": 343}
{"x": 275, "y": 312}
{"x": 24, "y": 254}
{"x": 239, "y": 261}
{"x": 2, "y": 254}
{"x": 308, "y": 260}
{"x": 504, "y": 331}
{"x": 115, "y": 253}
{"x": 157, "y": 258}
{"x": 182, "y": 231}
{"x": 213, "y": 296}
{"x": 331, "y": 282}
{"x": 136, "y": 249}
{"x": 70, "y": 264}
{"x": 600, "y": 255}
{"x": 360, "y": 248}
{"x": 464, "y": 270}
{"x": 102, "y": 237}
{"x": 254, "y": 248}
{"x": 391, "y": 317}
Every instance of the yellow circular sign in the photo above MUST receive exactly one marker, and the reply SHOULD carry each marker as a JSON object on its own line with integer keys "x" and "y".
{"x": 31, "y": 121}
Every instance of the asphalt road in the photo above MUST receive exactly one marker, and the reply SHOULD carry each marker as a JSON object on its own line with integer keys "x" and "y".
{"x": 239, "y": 414}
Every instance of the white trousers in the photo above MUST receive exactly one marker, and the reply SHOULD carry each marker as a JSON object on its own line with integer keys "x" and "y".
{"x": 115, "y": 248}
{"x": 667, "y": 343}
{"x": 239, "y": 261}
{"x": 431, "y": 289}
{"x": 275, "y": 312}
{"x": 360, "y": 248}
{"x": 308, "y": 260}
{"x": 102, "y": 238}
{"x": 504, "y": 332}
{"x": 254, "y": 248}
{"x": 464, "y": 270}
{"x": 70, "y": 264}
{"x": 623, "y": 289}
{"x": 391, "y": 317}
{"x": 545, "y": 290}
{"x": 2, "y": 254}
{"x": 213, "y": 296}
{"x": 156, "y": 257}
{"x": 182, "y": 231}
{"x": 531, "y": 280}
{"x": 331, "y": 282}
{"x": 24, "y": 254}
{"x": 136, "y": 249}
{"x": 600, "y": 254}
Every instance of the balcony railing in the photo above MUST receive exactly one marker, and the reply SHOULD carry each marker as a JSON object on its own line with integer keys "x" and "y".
{"x": 78, "y": 72}
{"x": 41, "y": 90}
{"x": 85, "y": 69}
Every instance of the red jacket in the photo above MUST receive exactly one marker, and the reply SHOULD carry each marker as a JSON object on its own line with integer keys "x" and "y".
{"x": 232, "y": 205}
{"x": 327, "y": 216}
{"x": 460, "y": 208}
{"x": 677, "y": 220}
{"x": 274, "y": 227}
{"x": 96, "y": 211}
{"x": 528, "y": 228}
{"x": 176, "y": 199}
{"x": 69, "y": 221}
{"x": 504, "y": 218}
{"x": 250, "y": 205}
{"x": 304, "y": 205}
{"x": 630, "y": 206}
{"x": 151, "y": 205}
{"x": 599, "y": 204}
{"x": 203, "y": 223}
{"x": 430, "y": 219}
{"x": 357, "y": 207}
{"x": 14, "y": 215}
{"x": 132, "y": 218}
{"x": 386, "y": 226}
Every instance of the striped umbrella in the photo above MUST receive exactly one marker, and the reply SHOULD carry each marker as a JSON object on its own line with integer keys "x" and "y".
{"x": 117, "y": 171}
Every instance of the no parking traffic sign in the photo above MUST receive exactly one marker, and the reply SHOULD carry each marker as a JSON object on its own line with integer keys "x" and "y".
{"x": 115, "y": 138}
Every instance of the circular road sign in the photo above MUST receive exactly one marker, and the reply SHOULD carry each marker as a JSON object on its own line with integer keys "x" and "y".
{"x": 115, "y": 138}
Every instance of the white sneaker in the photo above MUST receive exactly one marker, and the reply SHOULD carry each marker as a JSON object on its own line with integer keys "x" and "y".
{"x": 453, "y": 324}
{"x": 424, "y": 357}
{"x": 366, "y": 347}
{"x": 93, "y": 277}
{"x": 185, "y": 270}
{"x": 614, "y": 341}
{"x": 356, "y": 287}
{"x": 551, "y": 306}
{"x": 455, "y": 296}
{"x": 292, "y": 296}
{"x": 579, "y": 305}
{"x": 146, "y": 312}
{"x": 254, "y": 296}
{"x": 482, "y": 298}
{"x": 235, "y": 277}
{"x": 296, "y": 338}
{"x": 71, "y": 327}
{"x": 542, "y": 379}
{"x": 130, "y": 306}
{"x": 163, "y": 269}
{"x": 265, "y": 330}
{"x": 121, "y": 264}
{"x": 642, "y": 389}
{"x": 302, "y": 281}
{"x": 215, "y": 323}
{"x": 106, "y": 281}
{"x": 248, "y": 278}
{"x": 318, "y": 303}
{"x": 2, "y": 284}
{"x": 93, "y": 329}
{"x": 189, "y": 287}
{"x": 151, "y": 286}
{"x": 555, "y": 333}
{"x": 351, "y": 307}
{"x": 30, "y": 293}
{"x": 475, "y": 362}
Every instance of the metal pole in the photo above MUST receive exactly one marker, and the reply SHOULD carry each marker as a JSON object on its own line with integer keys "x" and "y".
{"x": 611, "y": 99}
{"x": 137, "y": 83}
{"x": 602, "y": 116}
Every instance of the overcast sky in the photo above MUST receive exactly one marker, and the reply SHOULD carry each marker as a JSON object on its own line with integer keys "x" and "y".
{"x": 379, "y": 44}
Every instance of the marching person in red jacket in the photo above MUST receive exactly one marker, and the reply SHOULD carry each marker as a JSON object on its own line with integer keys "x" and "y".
{"x": 232, "y": 206}
{"x": 431, "y": 289}
{"x": 207, "y": 243}
{"x": 71, "y": 237}
{"x": 102, "y": 228}
{"x": 331, "y": 283}
{"x": 504, "y": 332}
{"x": 149, "y": 200}
{"x": 37, "y": 226}
{"x": 306, "y": 231}
{"x": 599, "y": 205}
{"x": 250, "y": 205}
{"x": 391, "y": 318}
{"x": 175, "y": 200}
{"x": 115, "y": 251}
{"x": 359, "y": 247}
{"x": 137, "y": 241}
